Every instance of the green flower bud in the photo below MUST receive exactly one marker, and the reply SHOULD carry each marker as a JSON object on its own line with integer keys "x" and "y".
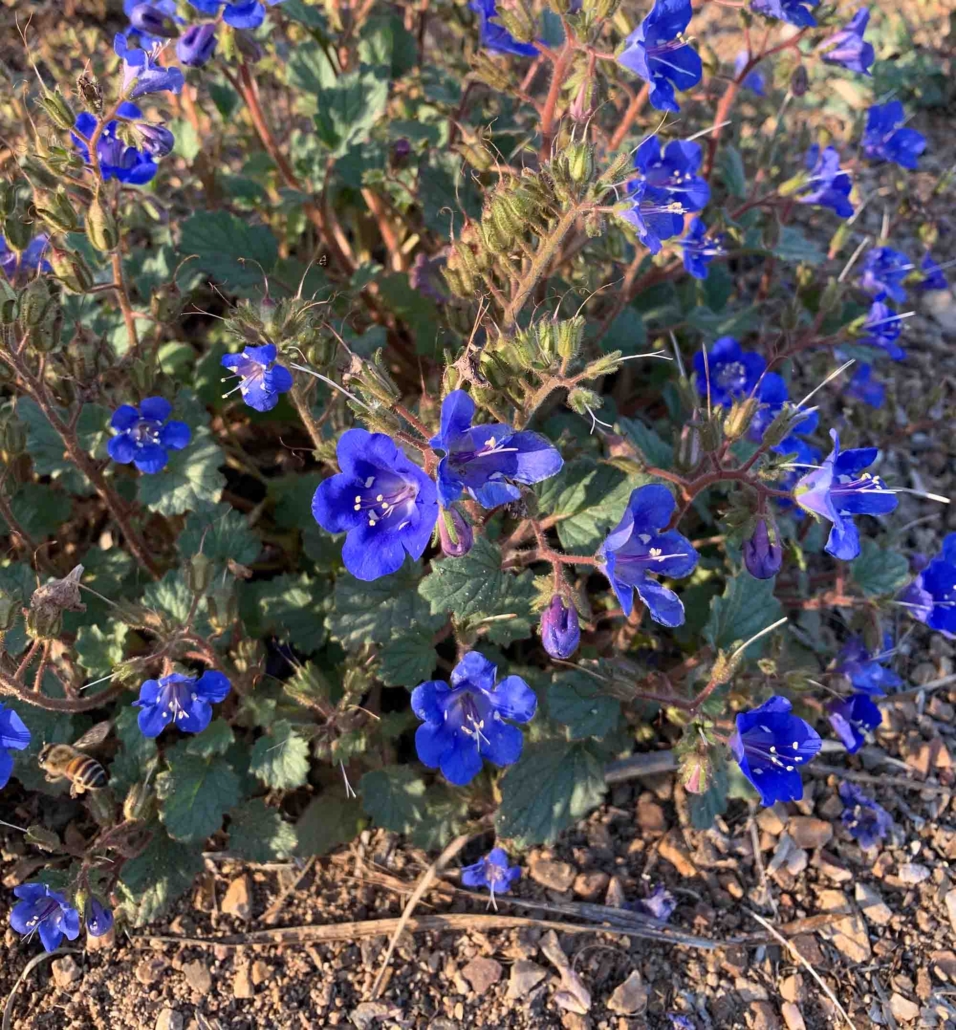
{"x": 490, "y": 73}
{"x": 58, "y": 110}
{"x": 39, "y": 175}
{"x": 101, "y": 228}
{"x": 44, "y": 623}
{"x": 831, "y": 295}
{"x": 8, "y": 198}
{"x": 142, "y": 372}
{"x": 580, "y": 157}
{"x": 9, "y": 301}
{"x": 689, "y": 449}
{"x": 570, "y": 333}
{"x": 56, "y": 210}
{"x": 711, "y": 433}
{"x": 13, "y": 439}
{"x": 456, "y": 284}
{"x": 582, "y": 401}
{"x": 139, "y": 804}
{"x": 519, "y": 20}
{"x": 741, "y": 415}
{"x": 605, "y": 366}
{"x": 17, "y": 231}
{"x": 36, "y": 303}
{"x": 71, "y": 269}
{"x": 595, "y": 224}
{"x": 546, "y": 331}
{"x": 794, "y": 185}
{"x": 166, "y": 303}
{"x": 621, "y": 165}
{"x": 474, "y": 151}
{"x": 198, "y": 573}
{"x": 46, "y": 336}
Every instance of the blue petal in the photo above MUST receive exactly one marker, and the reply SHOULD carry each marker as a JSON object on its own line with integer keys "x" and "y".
{"x": 475, "y": 670}
{"x": 213, "y": 686}
{"x": 461, "y": 763}
{"x": 121, "y": 449}
{"x": 125, "y": 417}
{"x": 157, "y": 409}
{"x": 150, "y": 458}
{"x": 495, "y": 493}
{"x": 333, "y": 504}
{"x": 51, "y": 934}
{"x": 152, "y": 719}
{"x": 450, "y": 484}
{"x": 429, "y": 700}
{"x": 663, "y": 604}
{"x": 175, "y": 435}
{"x": 279, "y": 379}
{"x": 244, "y": 16}
{"x": 370, "y": 552}
{"x": 503, "y": 743}
{"x": 844, "y": 540}
{"x": 650, "y": 508}
{"x": 457, "y": 412}
{"x": 6, "y": 767}
{"x": 514, "y": 699}
{"x": 13, "y": 731}
{"x": 195, "y": 717}
{"x": 22, "y": 913}
{"x": 537, "y": 458}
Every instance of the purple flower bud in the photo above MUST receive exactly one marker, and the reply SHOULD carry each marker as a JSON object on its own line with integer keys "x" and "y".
{"x": 156, "y": 140}
{"x": 455, "y": 533}
{"x": 763, "y": 554}
{"x": 99, "y": 919}
{"x": 560, "y": 629}
{"x": 150, "y": 19}
{"x": 197, "y": 44}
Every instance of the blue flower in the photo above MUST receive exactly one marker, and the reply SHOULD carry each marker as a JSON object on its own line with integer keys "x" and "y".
{"x": 465, "y": 723}
{"x": 99, "y": 919}
{"x": 882, "y": 328}
{"x": 179, "y": 700}
{"x": 16, "y": 265}
{"x": 763, "y": 553}
{"x": 754, "y": 80}
{"x": 827, "y": 186}
{"x": 636, "y": 547}
{"x": 45, "y": 911}
{"x": 560, "y": 628}
{"x": 480, "y": 460}
{"x": 668, "y": 189}
{"x": 931, "y": 597}
{"x": 495, "y": 36}
{"x": 491, "y": 872}
{"x": 116, "y": 159}
{"x": 699, "y": 249}
{"x": 864, "y": 388}
{"x": 155, "y": 140}
{"x": 141, "y": 73}
{"x": 679, "y": 1022}
{"x": 847, "y": 46}
{"x": 659, "y": 905}
{"x": 197, "y": 44}
{"x": 884, "y": 272}
{"x": 144, "y": 437}
{"x": 772, "y": 394}
{"x": 261, "y": 380}
{"x": 866, "y": 671}
{"x": 153, "y": 22}
{"x": 933, "y": 278}
{"x": 656, "y": 53}
{"x": 770, "y": 744}
{"x": 796, "y": 12}
{"x": 852, "y": 718}
{"x": 384, "y": 502}
{"x": 885, "y": 138}
{"x": 729, "y": 374}
{"x": 866, "y": 821}
{"x": 840, "y": 489}
{"x": 248, "y": 15}
{"x": 13, "y": 734}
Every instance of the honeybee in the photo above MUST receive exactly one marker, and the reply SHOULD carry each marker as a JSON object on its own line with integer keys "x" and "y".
{"x": 68, "y": 762}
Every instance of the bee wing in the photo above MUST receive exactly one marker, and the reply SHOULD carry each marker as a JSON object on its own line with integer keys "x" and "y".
{"x": 95, "y": 735}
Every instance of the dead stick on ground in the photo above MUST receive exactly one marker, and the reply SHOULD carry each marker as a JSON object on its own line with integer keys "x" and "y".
{"x": 803, "y": 962}
{"x": 882, "y": 781}
{"x": 426, "y": 880}
{"x": 272, "y": 913}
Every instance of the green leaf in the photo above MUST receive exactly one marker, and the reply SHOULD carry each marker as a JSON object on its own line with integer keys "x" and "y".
{"x": 149, "y": 883}
{"x": 281, "y": 759}
{"x": 292, "y": 607}
{"x": 704, "y": 808}
{"x": 394, "y": 797}
{"x": 98, "y": 650}
{"x": 190, "y": 482}
{"x": 409, "y": 659}
{"x": 554, "y": 784}
{"x": 221, "y": 533}
{"x": 446, "y": 810}
{"x": 40, "y": 510}
{"x": 793, "y": 245}
{"x": 468, "y": 586}
{"x": 379, "y": 610}
{"x": 260, "y": 834}
{"x": 136, "y": 755}
{"x": 47, "y": 450}
{"x": 576, "y": 700}
{"x": 329, "y": 820}
{"x": 196, "y": 793}
{"x": 349, "y": 108}
{"x": 517, "y": 602}
{"x": 731, "y": 167}
{"x": 309, "y": 69}
{"x": 746, "y": 606}
{"x": 170, "y": 595}
{"x": 877, "y": 571}
{"x": 654, "y": 450}
{"x": 627, "y": 333}
{"x": 307, "y": 14}
{"x": 443, "y": 207}
{"x": 229, "y": 249}
{"x": 215, "y": 739}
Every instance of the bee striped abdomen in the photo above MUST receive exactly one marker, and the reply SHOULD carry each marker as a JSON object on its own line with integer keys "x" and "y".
{"x": 85, "y": 773}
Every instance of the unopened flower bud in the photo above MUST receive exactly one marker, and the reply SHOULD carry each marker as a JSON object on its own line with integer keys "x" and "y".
{"x": 37, "y": 172}
{"x": 582, "y": 401}
{"x": 580, "y": 157}
{"x": 689, "y": 450}
{"x": 13, "y": 439}
{"x": 56, "y": 210}
{"x": 71, "y": 269}
{"x": 518, "y": 18}
{"x": 58, "y": 110}
{"x": 36, "y": 302}
{"x": 8, "y": 199}
{"x": 101, "y": 228}
{"x": 560, "y": 629}
{"x": 151, "y": 20}
{"x": 490, "y": 73}
{"x": 763, "y": 553}
{"x": 9, "y": 302}
{"x": 197, "y": 44}
{"x": 569, "y": 335}
{"x": 799, "y": 81}
{"x": 198, "y": 573}
{"x": 455, "y": 532}
{"x": 155, "y": 140}
{"x": 739, "y": 418}
{"x": 139, "y": 804}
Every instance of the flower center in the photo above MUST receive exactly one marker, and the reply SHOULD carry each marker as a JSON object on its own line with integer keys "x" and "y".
{"x": 731, "y": 376}
{"x": 43, "y": 911}
{"x": 473, "y": 719}
{"x": 384, "y": 497}
{"x": 760, "y": 746}
{"x": 146, "y": 431}
{"x": 866, "y": 484}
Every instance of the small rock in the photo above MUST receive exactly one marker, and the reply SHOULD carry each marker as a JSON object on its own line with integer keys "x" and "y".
{"x": 791, "y": 988}
{"x": 198, "y": 976}
{"x": 238, "y": 899}
{"x": 809, "y": 832}
{"x": 850, "y": 938}
{"x": 150, "y": 970}
{"x": 773, "y": 820}
{"x": 366, "y": 1015}
{"x": 630, "y": 997}
{"x": 590, "y": 886}
{"x": 261, "y": 971}
{"x": 749, "y": 990}
{"x": 169, "y": 1019}
{"x": 65, "y": 971}
{"x": 944, "y": 965}
{"x": 242, "y": 984}
{"x": 831, "y": 868}
{"x": 615, "y": 897}
{"x": 872, "y": 905}
{"x": 651, "y": 817}
{"x": 557, "y": 876}
{"x": 792, "y": 1016}
{"x": 830, "y": 808}
{"x": 951, "y": 906}
{"x": 672, "y": 849}
{"x": 912, "y": 873}
{"x": 763, "y": 1017}
{"x": 525, "y": 976}
{"x": 481, "y": 973}
{"x": 903, "y": 1009}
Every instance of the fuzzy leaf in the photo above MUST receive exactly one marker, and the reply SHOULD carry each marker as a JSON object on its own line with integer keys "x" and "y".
{"x": 98, "y": 650}
{"x": 746, "y": 606}
{"x": 221, "y": 533}
{"x": 230, "y": 250}
{"x": 149, "y": 883}
{"x": 329, "y": 820}
{"x": 877, "y": 571}
{"x": 468, "y": 586}
{"x": 575, "y": 699}
{"x": 394, "y": 797}
{"x": 281, "y": 759}
{"x": 196, "y": 793}
{"x": 190, "y": 482}
{"x": 409, "y": 659}
{"x": 260, "y": 834}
